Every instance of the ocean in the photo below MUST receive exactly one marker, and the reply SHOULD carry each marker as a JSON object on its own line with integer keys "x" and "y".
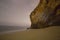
{"x": 7, "y": 29}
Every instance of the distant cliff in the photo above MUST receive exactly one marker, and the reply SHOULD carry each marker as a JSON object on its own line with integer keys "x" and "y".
{"x": 46, "y": 14}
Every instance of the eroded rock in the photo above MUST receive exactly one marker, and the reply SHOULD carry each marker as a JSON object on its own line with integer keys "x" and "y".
{"x": 46, "y": 14}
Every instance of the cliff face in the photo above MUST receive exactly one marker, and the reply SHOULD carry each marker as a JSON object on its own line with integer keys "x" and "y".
{"x": 46, "y": 14}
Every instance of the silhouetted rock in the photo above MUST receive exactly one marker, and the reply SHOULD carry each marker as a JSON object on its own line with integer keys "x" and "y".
{"x": 46, "y": 14}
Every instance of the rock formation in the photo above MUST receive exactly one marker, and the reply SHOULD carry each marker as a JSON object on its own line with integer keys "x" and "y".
{"x": 46, "y": 14}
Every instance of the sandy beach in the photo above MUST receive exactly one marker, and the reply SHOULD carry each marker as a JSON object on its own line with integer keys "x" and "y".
{"x": 50, "y": 33}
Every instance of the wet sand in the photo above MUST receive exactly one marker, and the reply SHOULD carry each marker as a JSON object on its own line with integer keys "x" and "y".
{"x": 50, "y": 33}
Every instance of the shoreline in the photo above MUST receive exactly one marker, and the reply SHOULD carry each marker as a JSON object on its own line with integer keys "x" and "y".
{"x": 50, "y": 33}
{"x": 11, "y": 31}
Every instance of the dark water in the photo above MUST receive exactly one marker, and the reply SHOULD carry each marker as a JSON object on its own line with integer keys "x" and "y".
{"x": 10, "y": 28}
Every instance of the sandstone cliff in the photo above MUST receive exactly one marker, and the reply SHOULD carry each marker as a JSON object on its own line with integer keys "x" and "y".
{"x": 46, "y": 14}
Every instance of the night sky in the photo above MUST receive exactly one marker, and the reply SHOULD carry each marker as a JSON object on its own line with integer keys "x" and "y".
{"x": 16, "y": 12}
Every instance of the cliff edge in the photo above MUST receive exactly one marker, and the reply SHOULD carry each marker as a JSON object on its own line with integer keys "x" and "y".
{"x": 46, "y": 14}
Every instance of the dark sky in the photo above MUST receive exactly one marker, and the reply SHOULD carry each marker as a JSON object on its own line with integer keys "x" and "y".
{"x": 16, "y": 12}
